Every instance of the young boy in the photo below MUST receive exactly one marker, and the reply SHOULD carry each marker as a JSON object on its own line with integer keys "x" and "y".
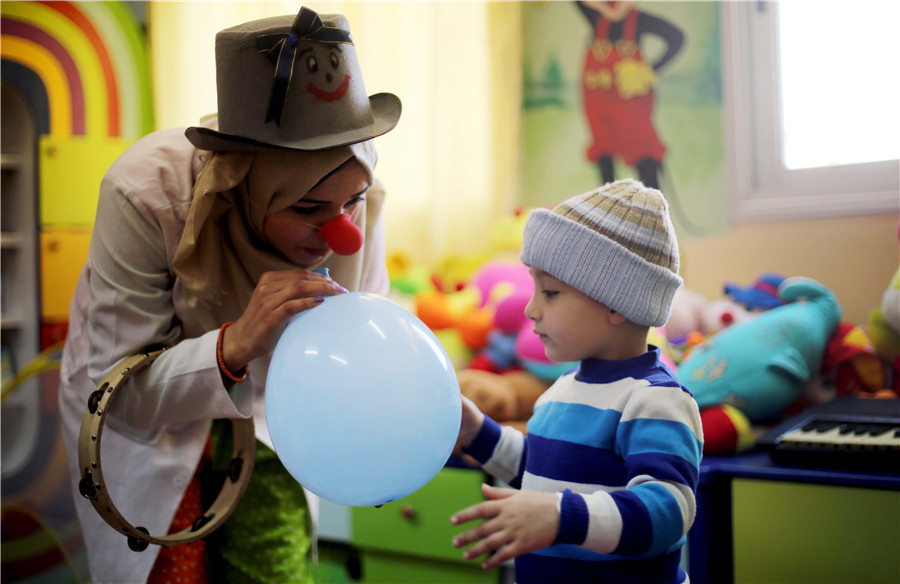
{"x": 607, "y": 473}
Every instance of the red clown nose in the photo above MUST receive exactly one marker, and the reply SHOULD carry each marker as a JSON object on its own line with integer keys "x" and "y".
{"x": 342, "y": 235}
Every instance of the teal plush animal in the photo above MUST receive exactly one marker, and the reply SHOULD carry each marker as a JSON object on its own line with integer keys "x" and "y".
{"x": 761, "y": 365}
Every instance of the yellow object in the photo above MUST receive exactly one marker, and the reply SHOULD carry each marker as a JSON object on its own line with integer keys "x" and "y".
{"x": 398, "y": 264}
{"x": 71, "y": 170}
{"x": 439, "y": 311}
{"x": 33, "y": 56}
{"x": 884, "y": 337}
{"x": 47, "y": 360}
{"x": 507, "y": 233}
{"x": 454, "y": 271}
{"x": 746, "y": 438}
{"x": 795, "y": 533}
{"x": 451, "y": 340}
{"x": 63, "y": 253}
{"x": 884, "y": 322}
{"x": 634, "y": 78}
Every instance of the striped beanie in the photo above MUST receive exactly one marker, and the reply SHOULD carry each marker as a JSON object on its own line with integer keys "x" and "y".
{"x": 615, "y": 244}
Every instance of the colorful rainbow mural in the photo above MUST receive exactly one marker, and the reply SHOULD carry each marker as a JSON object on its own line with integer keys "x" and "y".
{"x": 82, "y": 68}
{"x": 91, "y": 58}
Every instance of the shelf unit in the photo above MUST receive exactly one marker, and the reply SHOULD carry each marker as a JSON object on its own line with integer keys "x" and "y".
{"x": 19, "y": 306}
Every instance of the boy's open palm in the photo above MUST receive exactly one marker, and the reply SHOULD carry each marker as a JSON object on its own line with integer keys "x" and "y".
{"x": 516, "y": 523}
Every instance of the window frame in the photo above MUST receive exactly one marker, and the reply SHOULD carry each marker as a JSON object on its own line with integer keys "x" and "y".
{"x": 761, "y": 189}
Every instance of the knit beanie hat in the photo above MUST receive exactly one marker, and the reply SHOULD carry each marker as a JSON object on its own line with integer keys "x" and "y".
{"x": 615, "y": 244}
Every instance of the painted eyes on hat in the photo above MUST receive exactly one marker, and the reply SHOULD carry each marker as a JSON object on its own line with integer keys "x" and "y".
{"x": 312, "y": 63}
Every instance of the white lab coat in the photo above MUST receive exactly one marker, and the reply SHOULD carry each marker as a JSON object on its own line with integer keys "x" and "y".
{"x": 128, "y": 298}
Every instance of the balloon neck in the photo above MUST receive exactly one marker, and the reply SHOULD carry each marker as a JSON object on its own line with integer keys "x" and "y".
{"x": 342, "y": 234}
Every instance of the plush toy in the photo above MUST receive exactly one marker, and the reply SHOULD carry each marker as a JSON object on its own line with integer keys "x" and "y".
{"x": 761, "y": 365}
{"x": 452, "y": 272}
{"x": 850, "y": 368}
{"x": 508, "y": 398}
{"x": 693, "y": 313}
{"x": 499, "y": 356}
{"x": 440, "y": 310}
{"x": 720, "y": 314}
{"x": 506, "y": 235}
{"x": 726, "y": 430}
{"x": 850, "y": 364}
{"x": 657, "y": 337}
{"x": 884, "y": 329}
{"x": 761, "y": 295}
{"x": 532, "y": 356}
{"x": 499, "y": 279}
{"x": 684, "y": 318}
{"x": 884, "y": 321}
{"x": 406, "y": 278}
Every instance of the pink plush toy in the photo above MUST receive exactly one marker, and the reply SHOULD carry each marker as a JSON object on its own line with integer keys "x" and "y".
{"x": 687, "y": 310}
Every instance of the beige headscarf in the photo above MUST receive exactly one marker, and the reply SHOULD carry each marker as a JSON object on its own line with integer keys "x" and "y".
{"x": 223, "y": 252}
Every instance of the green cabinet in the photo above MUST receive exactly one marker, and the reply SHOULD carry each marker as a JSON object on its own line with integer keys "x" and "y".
{"x": 410, "y": 540}
{"x": 795, "y": 533}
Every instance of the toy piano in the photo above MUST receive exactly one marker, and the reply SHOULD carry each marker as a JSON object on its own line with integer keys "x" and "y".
{"x": 846, "y": 433}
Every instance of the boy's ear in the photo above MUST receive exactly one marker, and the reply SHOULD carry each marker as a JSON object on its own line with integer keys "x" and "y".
{"x": 616, "y": 317}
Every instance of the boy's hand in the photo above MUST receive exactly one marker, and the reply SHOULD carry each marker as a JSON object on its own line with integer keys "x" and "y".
{"x": 517, "y": 523}
{"x": 470, "y": 424}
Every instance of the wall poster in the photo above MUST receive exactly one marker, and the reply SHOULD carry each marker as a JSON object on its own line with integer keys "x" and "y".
{"x": 625, "y": 89}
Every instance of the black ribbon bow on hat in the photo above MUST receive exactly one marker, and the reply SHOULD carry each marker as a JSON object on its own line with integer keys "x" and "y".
{"x": 281, "y": 49}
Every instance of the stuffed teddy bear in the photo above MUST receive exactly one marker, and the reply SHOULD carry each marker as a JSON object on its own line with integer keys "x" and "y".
{"x": 508, "y": 397}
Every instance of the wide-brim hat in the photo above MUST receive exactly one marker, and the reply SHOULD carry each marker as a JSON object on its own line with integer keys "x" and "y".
{"x": 292, "y": 83}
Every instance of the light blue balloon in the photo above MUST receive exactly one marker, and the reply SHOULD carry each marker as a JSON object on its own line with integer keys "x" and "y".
{"x": 362, "y": 401}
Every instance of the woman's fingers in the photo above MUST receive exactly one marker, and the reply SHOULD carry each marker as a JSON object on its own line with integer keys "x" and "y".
{"x": 277, "y": 297}
{"x": 288, "y": 285}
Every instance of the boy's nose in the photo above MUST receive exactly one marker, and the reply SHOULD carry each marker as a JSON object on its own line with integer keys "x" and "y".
{"x": 530, "y": 312}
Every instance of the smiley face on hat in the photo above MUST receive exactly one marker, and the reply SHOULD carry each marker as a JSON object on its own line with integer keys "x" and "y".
{"x": 292, "y": 83}
{"x": 326, "y": 71}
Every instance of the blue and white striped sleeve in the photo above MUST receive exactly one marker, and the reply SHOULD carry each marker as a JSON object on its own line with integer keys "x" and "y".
{"x": 501, "y": 451}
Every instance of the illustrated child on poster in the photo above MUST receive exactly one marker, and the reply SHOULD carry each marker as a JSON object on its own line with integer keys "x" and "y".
{"x": 617, "y": 87}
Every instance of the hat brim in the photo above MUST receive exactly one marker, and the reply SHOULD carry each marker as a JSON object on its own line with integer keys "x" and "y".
{"x": 386, "y": 110}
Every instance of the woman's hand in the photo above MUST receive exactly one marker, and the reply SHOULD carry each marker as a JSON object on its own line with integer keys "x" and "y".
{"x": 516, "y": 523}
{"x": 278, "y": 296}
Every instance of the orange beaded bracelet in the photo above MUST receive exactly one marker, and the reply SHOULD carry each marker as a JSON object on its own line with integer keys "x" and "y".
{"x": 222, "y": 367}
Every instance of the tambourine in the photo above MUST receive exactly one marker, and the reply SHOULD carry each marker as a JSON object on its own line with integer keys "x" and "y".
{"x": 93, "y": 487}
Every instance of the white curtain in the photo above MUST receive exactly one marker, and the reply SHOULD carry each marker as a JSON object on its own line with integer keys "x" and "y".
{"x": 450, "y": 166}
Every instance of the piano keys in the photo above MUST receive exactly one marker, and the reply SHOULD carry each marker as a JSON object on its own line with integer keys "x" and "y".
{"x": 847, "y": 433}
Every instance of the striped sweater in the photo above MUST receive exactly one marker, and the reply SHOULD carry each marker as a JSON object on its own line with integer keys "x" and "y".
{"x": 620, "y": 442}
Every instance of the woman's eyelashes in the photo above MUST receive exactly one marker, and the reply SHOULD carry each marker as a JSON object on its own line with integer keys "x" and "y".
{"x": 549, "y": 293}
{"x": 312, "y": 209}
{"x": 305, "y": 209}
{"x": 354, "y": 201}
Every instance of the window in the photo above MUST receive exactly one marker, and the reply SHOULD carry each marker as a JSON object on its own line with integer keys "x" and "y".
{"x": 813, "y": 104}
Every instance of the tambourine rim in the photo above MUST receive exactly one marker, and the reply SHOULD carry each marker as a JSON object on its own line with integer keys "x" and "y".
{"x": 89, "y": 463}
